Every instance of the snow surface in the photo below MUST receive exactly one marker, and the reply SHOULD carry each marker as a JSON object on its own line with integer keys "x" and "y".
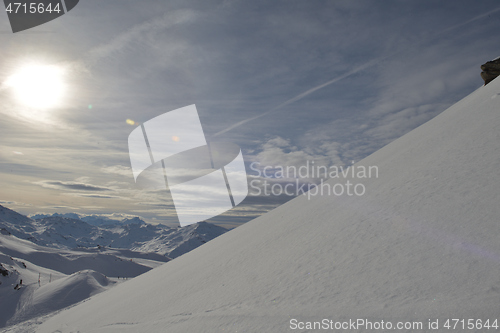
{"x": 35, "y": 301}
{"x": 422, "y": 243}
{"x": 68, "y": 262}
{"x": 66, "y": 277}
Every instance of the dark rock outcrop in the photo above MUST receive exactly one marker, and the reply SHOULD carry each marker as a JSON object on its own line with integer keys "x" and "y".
{"x": 490, "y": 70}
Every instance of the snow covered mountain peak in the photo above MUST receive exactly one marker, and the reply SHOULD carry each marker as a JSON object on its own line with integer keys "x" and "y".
{"x": 7, "y": 214}
{"x": 96, "y": 220}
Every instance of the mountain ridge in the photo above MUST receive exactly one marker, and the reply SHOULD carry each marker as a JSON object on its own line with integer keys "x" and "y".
{"x": 64, "y": 231}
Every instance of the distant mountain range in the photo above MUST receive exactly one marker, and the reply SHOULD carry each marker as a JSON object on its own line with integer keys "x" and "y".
{"x": 48, "y": 262}
{"x": 70, "y": 231}
{"x": 90, "y": 219}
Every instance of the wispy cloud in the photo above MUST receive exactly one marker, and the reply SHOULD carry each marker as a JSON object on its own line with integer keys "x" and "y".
{"x": 467, "y": 22}
{"x": 118, "y": 170}
{"x": 302, "y": 95}
{"x": 14, "y": 203}
{"x": 137, "y": 33}
{"x": 98, "y": 196}
{"x": 368, "y": 64}
{"x": 76, "y": 186}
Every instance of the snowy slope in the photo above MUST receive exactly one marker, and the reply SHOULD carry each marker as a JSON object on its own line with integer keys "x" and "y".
{"x": 66, "y": 277}
{"x": 12, "y": 216}
{"x": 68, "y": 262}
{"x": 422, "y": 243}
{"x": 34, "y": 300}
{"x": 182, "y": 240}
{"x": 13, "y": 301}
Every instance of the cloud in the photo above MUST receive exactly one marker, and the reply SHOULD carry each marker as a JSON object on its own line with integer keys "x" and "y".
{"x": 367, "y": 65}
{"x": 278, "y": 152}
{"x": 118, "y": 170}
{"x": 99, "y": 196}
{"x": 158, "y": 205}
{"x": 67, "y": 208}
{"x": 25, "y": 169}
{"x": 92, "y": 207}
{"x": 137, "y": 32}
{"x": 300, "y": 96}
{"x": 14, "y": 203}
{"x": 75, "y": 186}
{"x": 474, "y": 19}
{"x": 397, "y": 123}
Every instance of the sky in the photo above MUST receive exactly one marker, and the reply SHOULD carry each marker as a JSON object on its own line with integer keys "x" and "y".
{"x": 289, "y": 82}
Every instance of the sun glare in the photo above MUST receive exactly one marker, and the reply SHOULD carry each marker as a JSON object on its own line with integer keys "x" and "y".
{"x": 38, "y": 86}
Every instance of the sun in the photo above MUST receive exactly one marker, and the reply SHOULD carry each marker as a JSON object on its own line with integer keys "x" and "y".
{"x": 38, "y": 86}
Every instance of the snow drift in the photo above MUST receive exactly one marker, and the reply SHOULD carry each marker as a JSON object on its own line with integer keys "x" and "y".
{"x": 422, "y": 243}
